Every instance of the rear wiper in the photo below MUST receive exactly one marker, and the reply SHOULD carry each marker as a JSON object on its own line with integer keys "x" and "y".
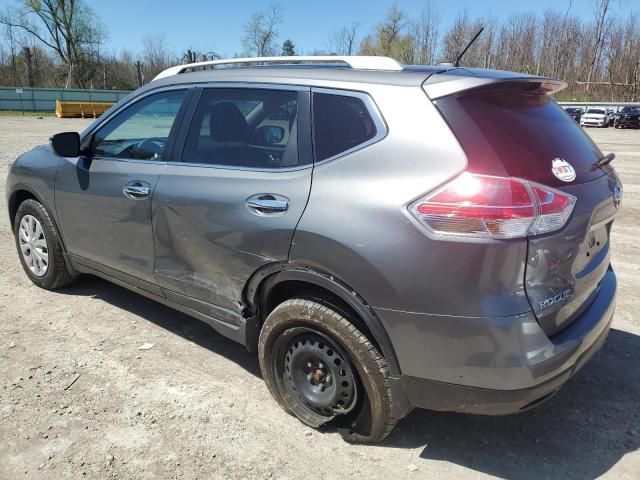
{"x": 606, "y": 160}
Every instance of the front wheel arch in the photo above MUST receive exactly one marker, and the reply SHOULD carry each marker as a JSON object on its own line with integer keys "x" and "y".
{"x": 22, "y": 192}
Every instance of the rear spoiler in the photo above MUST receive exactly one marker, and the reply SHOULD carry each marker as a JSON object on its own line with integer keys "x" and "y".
{"x": 442, "y": 85}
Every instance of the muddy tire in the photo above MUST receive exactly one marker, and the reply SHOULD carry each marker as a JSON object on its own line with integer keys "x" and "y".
{"x": 320, "y": 368}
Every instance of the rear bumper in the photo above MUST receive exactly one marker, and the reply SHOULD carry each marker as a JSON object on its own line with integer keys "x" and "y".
{"x": 508, "y": 367}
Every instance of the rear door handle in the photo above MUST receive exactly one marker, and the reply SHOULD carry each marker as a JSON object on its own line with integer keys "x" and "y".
{"x": 267, "y": 203}
{"x": 136, "y": 190}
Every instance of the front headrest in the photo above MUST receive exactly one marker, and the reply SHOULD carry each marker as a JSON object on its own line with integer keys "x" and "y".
{"x": 227, "y": 124}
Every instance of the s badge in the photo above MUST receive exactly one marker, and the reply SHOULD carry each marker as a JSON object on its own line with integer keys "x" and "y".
{"x": 563, "y": 170}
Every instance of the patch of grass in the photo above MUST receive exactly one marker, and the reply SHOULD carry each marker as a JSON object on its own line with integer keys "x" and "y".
{"x": 18, "y": 113}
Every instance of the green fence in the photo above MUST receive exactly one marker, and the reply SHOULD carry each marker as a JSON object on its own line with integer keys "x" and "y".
{"x": 44, "y": 99}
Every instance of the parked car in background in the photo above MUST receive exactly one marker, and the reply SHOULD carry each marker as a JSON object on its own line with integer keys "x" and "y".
{"x": 574, "y": 112}
{"x": 628, "y": 117}
{"x": 595, "y": 117}
{"x": 466, "y": 269}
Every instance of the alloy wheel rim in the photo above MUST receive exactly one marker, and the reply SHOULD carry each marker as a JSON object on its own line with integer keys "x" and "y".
{"x": 33, "y": 245}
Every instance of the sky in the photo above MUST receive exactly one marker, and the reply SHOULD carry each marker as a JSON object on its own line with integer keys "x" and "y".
{"x": 214, "y": 25}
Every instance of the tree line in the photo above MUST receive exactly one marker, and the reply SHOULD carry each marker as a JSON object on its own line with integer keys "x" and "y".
{"x": 62, "y": 43}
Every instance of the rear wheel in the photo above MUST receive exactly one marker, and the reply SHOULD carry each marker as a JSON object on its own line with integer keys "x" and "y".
{"x": 39, "y": 247}
{"x": 321, "y": 368}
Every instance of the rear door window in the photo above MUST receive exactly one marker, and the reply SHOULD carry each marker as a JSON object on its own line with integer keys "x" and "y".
{"x": 340, "y": 123}
{"x": 244, "y": 128}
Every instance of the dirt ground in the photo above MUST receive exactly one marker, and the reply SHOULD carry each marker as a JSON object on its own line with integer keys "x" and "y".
{"x": 194, "y": 405}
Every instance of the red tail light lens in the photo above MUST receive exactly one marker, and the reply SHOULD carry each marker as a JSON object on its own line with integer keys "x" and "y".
{"x": 493, "y": 207}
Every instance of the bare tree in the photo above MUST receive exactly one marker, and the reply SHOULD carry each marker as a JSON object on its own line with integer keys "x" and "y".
{"x": 517, "y": 43}
{"x": 68, "y": 27}
{"x": 599, "y": 31}
{"x": 261, "y": 34}
{"x": 623, "y": 59}
{"x": 155, "y": 56}
{"x": 344, "y": 41}
{"x": 425, "y": 35}
{"x": 458, "y": 37}
{"x": 600, "y": 59}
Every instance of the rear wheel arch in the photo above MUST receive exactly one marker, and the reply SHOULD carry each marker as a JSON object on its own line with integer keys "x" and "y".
{"x": 276, "y": 283}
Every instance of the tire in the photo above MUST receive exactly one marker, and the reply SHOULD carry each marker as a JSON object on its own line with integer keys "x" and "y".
{"x": 57, "y": 274}
{"x": 289, "y": 332}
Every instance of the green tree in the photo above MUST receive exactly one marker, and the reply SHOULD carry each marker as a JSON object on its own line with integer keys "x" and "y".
{"x": 389, "y": 38}
{"x": 288, "y": 48}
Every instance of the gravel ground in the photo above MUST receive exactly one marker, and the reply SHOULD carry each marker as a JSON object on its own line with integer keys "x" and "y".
{"x": 79, "y": 398}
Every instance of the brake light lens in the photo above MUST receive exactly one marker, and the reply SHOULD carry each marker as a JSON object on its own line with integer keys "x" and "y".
{"x": 485, "y": 206}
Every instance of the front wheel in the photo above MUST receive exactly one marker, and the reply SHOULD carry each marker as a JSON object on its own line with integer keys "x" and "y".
{"x": 39, "y": 247}
{"x": 320, "y": 368}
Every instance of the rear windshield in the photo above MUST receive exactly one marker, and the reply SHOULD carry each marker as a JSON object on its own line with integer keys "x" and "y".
{"x": 508, "y": 131}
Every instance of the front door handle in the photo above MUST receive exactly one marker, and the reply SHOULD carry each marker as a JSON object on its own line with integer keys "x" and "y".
{"x": 136, "y": 190}
{"x": 263, "y": 204}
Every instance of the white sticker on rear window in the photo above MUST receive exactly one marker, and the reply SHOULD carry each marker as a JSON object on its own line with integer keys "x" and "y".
{"x": 563, "y": 170}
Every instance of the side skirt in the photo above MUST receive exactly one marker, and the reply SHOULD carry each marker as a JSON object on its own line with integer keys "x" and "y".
{"x": 235, "y": 331}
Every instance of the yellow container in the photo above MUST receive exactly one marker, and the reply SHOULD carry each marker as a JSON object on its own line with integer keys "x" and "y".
{"x": 81, "y": 109}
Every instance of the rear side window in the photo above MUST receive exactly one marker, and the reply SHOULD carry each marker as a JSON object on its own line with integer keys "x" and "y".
{"x": 340, "y": 123}
{"x": 244, "y": 128}
{"x": 508, "y": 131}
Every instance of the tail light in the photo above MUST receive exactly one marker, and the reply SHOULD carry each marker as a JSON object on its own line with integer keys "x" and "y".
{"x": 493, "y": 207}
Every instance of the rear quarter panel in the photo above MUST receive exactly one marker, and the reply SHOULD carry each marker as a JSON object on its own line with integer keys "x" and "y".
{"x": 357, "y": 226}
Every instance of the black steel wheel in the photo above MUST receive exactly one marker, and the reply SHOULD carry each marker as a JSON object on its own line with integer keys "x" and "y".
{"x": 322, "y": 369}
{"x": 316, "y": 371}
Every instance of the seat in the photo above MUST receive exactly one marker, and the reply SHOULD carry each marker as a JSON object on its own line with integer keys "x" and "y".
{"x": 229, "y": 136}
{"x": 228, "y": 124}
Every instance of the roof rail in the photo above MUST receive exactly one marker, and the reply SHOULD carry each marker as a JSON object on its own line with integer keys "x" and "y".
{"x": 356, "y": 62}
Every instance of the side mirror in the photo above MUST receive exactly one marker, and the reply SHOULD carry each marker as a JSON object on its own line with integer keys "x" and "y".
{"x": 269, "y": 135}
{"x": 66, "y": 144}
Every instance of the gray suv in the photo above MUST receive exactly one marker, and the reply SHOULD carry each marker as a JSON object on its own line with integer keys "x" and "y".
{"x": 384, "y": 236}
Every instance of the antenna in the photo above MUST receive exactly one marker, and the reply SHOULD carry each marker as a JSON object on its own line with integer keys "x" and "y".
{"x": 457, "y": 62}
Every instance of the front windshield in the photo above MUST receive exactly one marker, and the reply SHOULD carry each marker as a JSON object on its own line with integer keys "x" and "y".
{"x": 594, "y": 110}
